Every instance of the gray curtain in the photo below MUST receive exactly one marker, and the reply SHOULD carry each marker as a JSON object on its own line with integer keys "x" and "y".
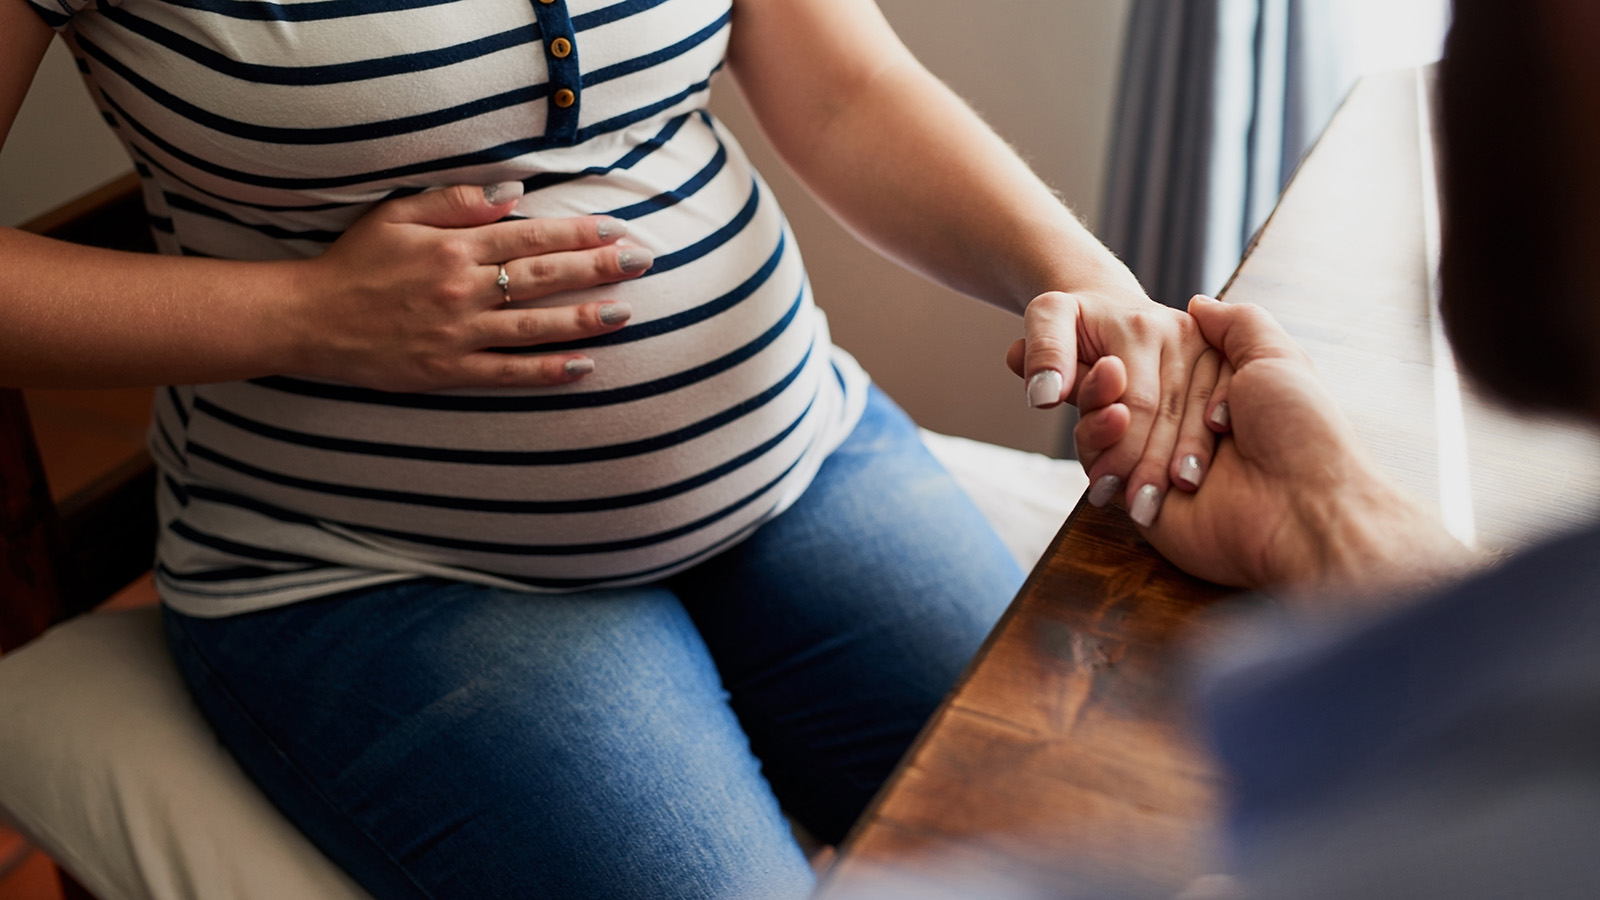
{"x": 1154, "y": 211}
{"x": 1209, "y": 126}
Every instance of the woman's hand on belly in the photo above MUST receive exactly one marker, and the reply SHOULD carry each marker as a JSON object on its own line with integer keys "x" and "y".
{"x": 411, "y": 297}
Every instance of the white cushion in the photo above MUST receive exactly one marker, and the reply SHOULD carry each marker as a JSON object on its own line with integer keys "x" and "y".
{"x": 1025, "y": 496}
{"x": 107, "y": 766}
{"x": 110, "y": 770}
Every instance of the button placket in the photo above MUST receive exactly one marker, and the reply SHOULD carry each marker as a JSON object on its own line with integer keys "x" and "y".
{"x": 561, "y": 61}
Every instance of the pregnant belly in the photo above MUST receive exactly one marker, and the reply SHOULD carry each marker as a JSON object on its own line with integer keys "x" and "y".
{"x": 699, "y": 415}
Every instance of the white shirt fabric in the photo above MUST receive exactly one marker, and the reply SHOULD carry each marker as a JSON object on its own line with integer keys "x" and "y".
{"x": 263, "y": 129}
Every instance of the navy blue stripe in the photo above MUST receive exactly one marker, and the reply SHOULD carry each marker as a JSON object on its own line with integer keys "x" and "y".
{"x": 179, "y": 201}
{"x": 629, "y": 160}
{"x": 491, "y": 155}
{"x": 690, "y": 560}
{"x": 589, "y": 548}
{"x": 537, "y": 182}
{"x": 234, "y": 573}
{"x": 338, "y": 134}
{"x": 144, "y": 169}
{"x": 686, "y": 562}
{"x": 619, "y": 122}
{"x": 250, "y": 503}
{"x": 254, "y": 591}
{"x": 258, "y": 11}
{"x": 177, "y": 406}
{"x": 512, "y": 507}
{"x": 675, "y": 322}
{"x": 51, "y": 17}
{"x": 508, "y": 457}
{"x": 330, "y": 73}
{"x": 551, "y": 583}
{"x": 194, "y": 535}
{"x": 656, "y": 57}
{"x": 166, "y": 438}
{"x": 536, "y": 402}
{"x": 632, "y": 157}
{"x": 480, "y": 157}
{"x": 712, "y": 241}
{"x": 678, "y": 194}
{"x": 613, "y": 13}
{"x": 178, "y": 491}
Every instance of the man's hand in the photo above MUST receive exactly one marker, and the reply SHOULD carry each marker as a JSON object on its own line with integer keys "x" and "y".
{"x": 1292, "y": 498}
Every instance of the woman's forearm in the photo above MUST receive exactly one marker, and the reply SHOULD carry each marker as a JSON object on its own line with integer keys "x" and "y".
{"x": 905, "y": 163}
{"x": 81, "y": 317}
{"x": 409, "y": 298}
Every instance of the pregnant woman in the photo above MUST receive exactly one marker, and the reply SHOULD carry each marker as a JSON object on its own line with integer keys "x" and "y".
{"x": 522, "y": 532}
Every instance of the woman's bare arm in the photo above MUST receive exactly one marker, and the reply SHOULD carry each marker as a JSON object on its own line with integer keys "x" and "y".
{"x": 406, "y": 300}
{"x": 911, "y": 170}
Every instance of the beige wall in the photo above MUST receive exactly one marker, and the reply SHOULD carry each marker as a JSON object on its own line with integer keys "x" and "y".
{"x": 59, "y": 148}
{"x": 1042, "y": 72}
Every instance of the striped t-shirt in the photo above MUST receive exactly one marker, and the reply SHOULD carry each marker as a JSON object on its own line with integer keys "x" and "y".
{"x": 262, "y": 130}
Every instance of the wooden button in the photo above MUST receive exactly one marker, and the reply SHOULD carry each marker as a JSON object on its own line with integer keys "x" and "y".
{"x": 565, "y": 98}
{"x": 560, "y": 48}
{"x": 547, "y": 2}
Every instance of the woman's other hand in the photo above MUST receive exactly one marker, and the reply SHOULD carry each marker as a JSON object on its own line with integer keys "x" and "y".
{"x": 1142, "y": 375}
{"x": 409, "y": 298}
{"x": 1292, "y": 497}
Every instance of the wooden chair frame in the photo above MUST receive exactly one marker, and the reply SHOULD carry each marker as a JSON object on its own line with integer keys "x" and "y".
{"x": 62, "y": 559}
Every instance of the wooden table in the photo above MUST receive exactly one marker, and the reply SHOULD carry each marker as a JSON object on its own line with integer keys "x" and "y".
{"x": 1065, "y": 752}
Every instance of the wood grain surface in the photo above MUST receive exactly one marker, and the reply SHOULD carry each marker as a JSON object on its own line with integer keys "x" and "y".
{"x": 1065, "y": 753}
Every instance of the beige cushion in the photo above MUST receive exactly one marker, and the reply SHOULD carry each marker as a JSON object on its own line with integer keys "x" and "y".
{"x": 106, "y": 765}
{"x": 110, "y": 770}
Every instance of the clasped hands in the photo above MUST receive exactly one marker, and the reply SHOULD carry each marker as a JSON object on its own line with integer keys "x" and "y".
{"x": 1215, "y": 433}
{"x": 1210, "y": 427}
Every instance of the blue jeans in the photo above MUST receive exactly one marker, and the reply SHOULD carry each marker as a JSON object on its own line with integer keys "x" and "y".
{"x": 439, "y": 739}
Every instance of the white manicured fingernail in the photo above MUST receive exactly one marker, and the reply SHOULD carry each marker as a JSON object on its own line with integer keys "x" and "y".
{"x": 1044, "y": 389}
{"x": 611, "y": 228}
{"x": 576, "y": 367}
{"x": 1146, "y": 503}
{"x": 504, "y": 192}
{"x": 633, "y": 259}
{"x": 615, "y": 313}
{"x": 1105, "y": 488}
{"x": 1220, "y": 416}
{"x": 1189, "y": 470}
